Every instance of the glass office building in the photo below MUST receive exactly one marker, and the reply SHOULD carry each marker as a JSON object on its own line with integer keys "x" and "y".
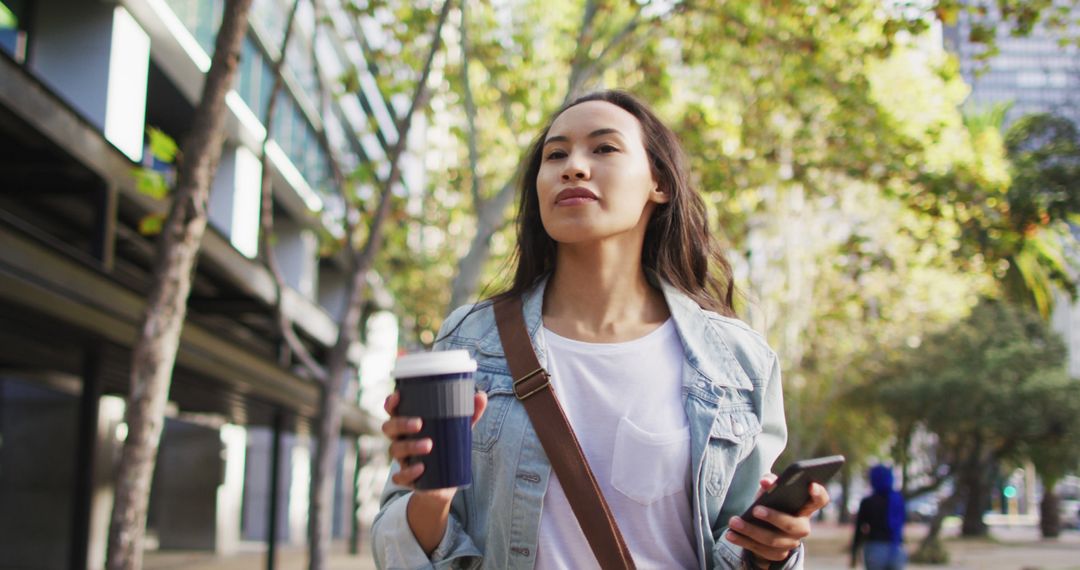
{"x": 1035, "y": 72}
{"x": 81, "y": 84}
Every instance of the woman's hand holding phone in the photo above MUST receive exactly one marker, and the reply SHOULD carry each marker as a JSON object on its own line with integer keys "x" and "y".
{"x": 769, "y": 545}
{"x": 779, "y": 518}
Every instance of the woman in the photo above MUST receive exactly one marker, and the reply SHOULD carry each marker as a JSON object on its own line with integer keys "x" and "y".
{"x": 879, "y": 526}
{"x": 676, "y": 405}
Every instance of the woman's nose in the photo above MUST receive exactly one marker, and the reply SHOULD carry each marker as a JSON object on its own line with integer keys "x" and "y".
{"x": 574, "y": 169}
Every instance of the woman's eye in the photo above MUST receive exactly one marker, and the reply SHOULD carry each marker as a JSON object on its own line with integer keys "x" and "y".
{"x": 605, "y": 148}
{"x": 555, "y": 154}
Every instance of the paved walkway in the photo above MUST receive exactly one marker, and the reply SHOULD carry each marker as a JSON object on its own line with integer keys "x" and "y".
{"x": 1016, "y": 548}
{"x": 289, "y": 558}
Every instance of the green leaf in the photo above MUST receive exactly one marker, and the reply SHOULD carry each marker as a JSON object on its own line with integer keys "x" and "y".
{"x": 151, "y": 183}
{"x": 162, "y": 146}
{"x": 151, "y": 224}
{"x": 8, "y": 21}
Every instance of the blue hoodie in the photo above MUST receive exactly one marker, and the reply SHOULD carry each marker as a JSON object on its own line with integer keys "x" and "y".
{"x": 881, "y": 479}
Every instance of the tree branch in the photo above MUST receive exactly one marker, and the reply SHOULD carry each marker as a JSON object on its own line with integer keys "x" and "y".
{"x": 583, "y": 69}
{"x": 292, "y": 342}
{"x": 581, "y": 49}
{"x": 470, "y": 108}
{"x": 341, "y": 184}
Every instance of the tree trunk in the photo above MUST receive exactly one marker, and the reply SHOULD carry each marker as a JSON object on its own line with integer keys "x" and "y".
{"x": 975, "y": 505}
{"x": 1050, "y": 511}
{"x": 845, "y": 493}
{"x": 932, "y": 550}
{"x": 329, "y": 429}
{"x": 490, "y": 215}
{"x": 154, "y": 354}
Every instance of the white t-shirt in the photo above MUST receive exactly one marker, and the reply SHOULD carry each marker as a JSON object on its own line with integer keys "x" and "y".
{"x": 624, "y": 401}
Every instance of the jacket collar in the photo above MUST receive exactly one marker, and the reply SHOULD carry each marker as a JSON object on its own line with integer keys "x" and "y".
{"x": 706, "y": 350}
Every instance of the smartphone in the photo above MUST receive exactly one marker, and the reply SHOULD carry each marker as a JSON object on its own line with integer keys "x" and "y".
{"x": 792, "y": 488}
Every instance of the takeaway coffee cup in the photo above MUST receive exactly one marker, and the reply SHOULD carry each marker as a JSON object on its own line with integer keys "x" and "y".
{"x": 438, "y": 388}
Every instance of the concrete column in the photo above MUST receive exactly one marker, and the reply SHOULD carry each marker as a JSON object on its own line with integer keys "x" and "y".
{"x": 256, "y": 507}
{"x": 297, "y": 250}
{"x": 235, "y": 199}
{"x": 344, "y": 489}
{"x": 97, "y": 57}
{"x": 230, "y": 494}
{"x": 109, "y": 443}
{"x": 299, "y": 489}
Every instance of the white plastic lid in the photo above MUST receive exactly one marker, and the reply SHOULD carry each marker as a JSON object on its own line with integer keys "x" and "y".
{"x": 434, "y": 363}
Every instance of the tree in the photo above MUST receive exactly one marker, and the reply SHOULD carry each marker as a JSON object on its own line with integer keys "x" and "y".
{"x": 1044, "y": 198}
{"x": 154, "y": 354}
{"x": 982, "y": 388}
{"x": 361, "y": 253}
{"x": 510, "y": 80}
{"x": 1056, "y": 406}
{"x": 290, "y": 342}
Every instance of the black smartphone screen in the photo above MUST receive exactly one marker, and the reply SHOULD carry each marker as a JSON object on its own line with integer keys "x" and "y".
{"x": 792, "y": 488}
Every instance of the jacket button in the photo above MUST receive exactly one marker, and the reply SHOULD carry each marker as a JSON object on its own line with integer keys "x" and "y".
{"x": 520, "y": 551}
{"x": 737, "y": 428}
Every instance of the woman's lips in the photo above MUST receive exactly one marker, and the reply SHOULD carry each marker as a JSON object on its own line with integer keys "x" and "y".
{"x": 574, "y": 201}
{"x": 575, "y": 196}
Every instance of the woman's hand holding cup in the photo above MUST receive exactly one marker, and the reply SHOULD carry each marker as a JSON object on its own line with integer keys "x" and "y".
{"x": 400, "y": 428}
{"x": 433, "y": 408}
{"x": 428, "y": 510}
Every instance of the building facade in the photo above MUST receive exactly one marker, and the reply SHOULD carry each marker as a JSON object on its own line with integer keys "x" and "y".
{"x": 82, "y": 82}
{"x": 1038, "y": 72}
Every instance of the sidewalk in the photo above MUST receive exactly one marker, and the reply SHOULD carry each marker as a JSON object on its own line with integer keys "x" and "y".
{"x": 288, "y": 558}
{"x": 1008, "y": 548}
{"x": 1015, "y": 548}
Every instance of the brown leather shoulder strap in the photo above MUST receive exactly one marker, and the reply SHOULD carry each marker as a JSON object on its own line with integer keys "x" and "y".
{"x": 532, "y": 387}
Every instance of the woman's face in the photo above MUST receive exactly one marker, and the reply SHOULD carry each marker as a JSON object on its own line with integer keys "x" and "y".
{"x": 594, "y": 180}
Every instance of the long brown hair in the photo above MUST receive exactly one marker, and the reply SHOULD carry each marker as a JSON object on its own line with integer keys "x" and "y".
{"x": 678, "y": 244}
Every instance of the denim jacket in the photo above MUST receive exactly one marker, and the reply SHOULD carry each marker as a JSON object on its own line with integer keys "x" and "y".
{"x": 733, "y": 402}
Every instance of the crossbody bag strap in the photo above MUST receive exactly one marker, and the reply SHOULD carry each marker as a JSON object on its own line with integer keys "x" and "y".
{"x": 533, "y": 389}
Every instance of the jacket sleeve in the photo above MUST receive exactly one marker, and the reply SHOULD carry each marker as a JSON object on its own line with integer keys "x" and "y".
{"x": 396, "y": 548}
{"x": 744, "y": 484}
{"x": 393, "y": 544}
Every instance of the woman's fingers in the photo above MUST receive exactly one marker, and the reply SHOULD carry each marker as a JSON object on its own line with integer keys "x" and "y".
{"x": 397, "y": 426}
{"x": 391, "y": 402}
{"x": 819, "y": 497}
{"x": 776, "y": 544}
{"x": 408, "y": 474}
{"x": 788, "y": 530}
{"x": 480, "y": 400}
{"x": 403, "y": 449}
{"x": 773, "y": 548}
{"x": 765, "y": 483}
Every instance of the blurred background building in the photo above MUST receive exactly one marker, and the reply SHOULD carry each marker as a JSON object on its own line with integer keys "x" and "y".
{"x": 1037, "y": 73}
{"x": 81, "y": 82}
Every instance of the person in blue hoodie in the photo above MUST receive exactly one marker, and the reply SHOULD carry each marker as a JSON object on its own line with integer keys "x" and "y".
{"x": 879, "y": 527}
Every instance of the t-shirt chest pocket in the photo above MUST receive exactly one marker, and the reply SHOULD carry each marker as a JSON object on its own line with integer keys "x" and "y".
{"x": 732, "y": 437}
{"x": 649, "y": 466}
